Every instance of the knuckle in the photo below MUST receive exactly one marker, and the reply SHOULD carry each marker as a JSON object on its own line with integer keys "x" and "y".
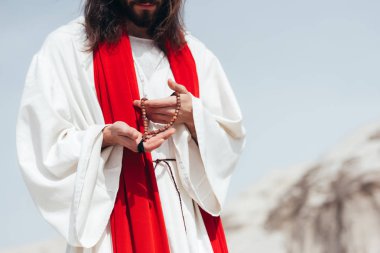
{"x": 132, "y": 147}
{"x": 147, "y": 147}
{"x": 120, "y": 124}
{"x": 130, "y": 132}
{"x": 125, "y": 132}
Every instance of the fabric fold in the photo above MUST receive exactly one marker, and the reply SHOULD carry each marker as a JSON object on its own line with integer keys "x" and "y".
{"x": 74, "y": 183}
{"x": 71, "y": 181}
{"x": 206, "y": 167}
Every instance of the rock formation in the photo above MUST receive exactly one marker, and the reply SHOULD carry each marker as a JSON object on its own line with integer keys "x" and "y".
{"x": 330, "y": 206}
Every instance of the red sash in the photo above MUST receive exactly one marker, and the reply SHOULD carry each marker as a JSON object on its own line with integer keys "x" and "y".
{"x": 137, "y": 221}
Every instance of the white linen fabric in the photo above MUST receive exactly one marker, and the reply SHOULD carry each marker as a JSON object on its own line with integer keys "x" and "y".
{"x": 73, "y": 182}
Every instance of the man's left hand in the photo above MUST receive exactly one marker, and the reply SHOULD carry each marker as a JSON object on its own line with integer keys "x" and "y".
{"x": 162, "y": 110}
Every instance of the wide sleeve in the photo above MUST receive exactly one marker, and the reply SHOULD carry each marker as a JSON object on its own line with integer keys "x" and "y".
{"x": 71, "y": 180}
{"x": 205, "y": 168}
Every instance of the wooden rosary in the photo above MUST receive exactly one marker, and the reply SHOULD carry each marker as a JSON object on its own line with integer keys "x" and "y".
{"x": 149, "y": 134}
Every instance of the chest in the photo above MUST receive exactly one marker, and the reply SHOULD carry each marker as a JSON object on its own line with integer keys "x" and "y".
{"x": 154, "y": 85}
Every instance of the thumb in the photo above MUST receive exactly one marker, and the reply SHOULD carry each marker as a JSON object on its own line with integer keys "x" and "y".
{"x": 177, "y": 87}
{"x": 137, "y": 103}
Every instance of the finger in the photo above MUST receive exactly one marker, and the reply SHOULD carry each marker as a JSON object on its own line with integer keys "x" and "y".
{"x": 166, "y": 134}
{"x": 163, "y": 135}
{"x": 169, "y": 111}
{"x": 157, "y": 140}
{"x": 137, "y": 103}
{"x": 152, "y": 144}
{"x": 129, "y": 132}
{"x": 160, "y": 118}
{"x": 127, "y": 143}
{"x": 177, "y": 87}
{"x": 162, "y": 102}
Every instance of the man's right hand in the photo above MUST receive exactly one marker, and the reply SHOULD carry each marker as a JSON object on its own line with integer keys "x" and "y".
{"x": 120, "y": 133}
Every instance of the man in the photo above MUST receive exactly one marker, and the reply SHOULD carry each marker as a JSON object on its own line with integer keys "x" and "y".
{"x": 91, "y": 170}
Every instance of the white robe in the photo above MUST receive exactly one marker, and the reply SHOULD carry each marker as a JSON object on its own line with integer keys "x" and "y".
{"x": 74, "y": 183}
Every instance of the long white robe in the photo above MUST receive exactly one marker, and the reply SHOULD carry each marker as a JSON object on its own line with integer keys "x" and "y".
{"x": 74, "y": 183}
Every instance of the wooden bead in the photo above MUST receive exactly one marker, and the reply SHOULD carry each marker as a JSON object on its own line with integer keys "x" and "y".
{"x": 149, "y": 134}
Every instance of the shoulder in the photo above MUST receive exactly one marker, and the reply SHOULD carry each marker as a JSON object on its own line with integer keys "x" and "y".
{"x": 198, "y": 48}
{"x": 69, "y": 39}
{"x": 204, "y": 58}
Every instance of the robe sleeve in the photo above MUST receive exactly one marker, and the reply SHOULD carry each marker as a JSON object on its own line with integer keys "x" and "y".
{"x": 71, "y": 180}
{"x": 205, "y": 169}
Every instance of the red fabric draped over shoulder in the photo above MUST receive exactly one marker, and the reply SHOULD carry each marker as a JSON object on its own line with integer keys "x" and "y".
{"x": 137, "y": 221}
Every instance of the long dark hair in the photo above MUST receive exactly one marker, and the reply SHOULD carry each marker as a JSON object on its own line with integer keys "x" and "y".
{"x": 105, "y": 21}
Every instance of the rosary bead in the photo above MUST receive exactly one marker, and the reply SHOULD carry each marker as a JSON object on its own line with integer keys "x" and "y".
{"x": 148, "y": 134}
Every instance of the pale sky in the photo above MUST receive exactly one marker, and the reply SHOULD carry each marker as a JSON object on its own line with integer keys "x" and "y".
{"x": 306, "y": 74}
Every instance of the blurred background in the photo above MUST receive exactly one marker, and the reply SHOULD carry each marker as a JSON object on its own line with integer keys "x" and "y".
{"x": 306, "y": 74}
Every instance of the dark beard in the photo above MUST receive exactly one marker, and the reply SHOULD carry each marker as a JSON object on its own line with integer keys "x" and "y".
{"x": 146, "y": 19}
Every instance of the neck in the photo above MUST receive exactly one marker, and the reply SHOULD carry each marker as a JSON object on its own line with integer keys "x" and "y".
{"x": 134, "y": 30}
